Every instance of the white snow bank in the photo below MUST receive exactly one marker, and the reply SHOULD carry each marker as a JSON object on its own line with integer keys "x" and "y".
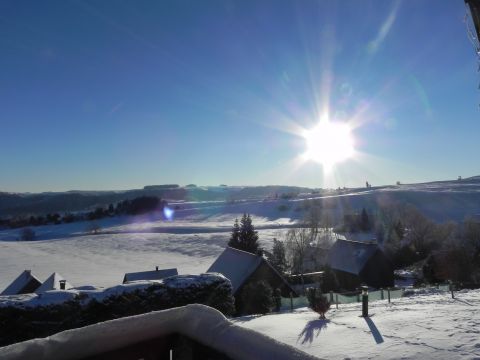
{"x": 198, "y": 322}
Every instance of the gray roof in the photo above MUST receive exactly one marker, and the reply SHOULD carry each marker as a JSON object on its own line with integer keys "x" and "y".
{"x": 236, "y": 265}
{"x": 53, "y": 283}
{"x": 21, "y": 282}
{"x": 351, "y": 256}
{"x": 150, "y": 275}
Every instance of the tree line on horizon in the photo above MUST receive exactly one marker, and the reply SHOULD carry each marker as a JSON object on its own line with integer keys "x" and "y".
{"x": 137, "y": 206}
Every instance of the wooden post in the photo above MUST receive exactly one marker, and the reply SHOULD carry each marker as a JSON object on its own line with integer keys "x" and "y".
{"x": 364, "y": 301}
{"x": 388, "y": 292}
{"x": 291, "y": 301}
{"x": 451, "y": 289}
{"x": 331, "y": 296}
{"x": 381, "y": 294}
{"x": 336, "y": 300}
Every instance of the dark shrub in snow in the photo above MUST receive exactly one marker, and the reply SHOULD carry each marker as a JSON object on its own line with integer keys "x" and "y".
{"x": 318, "y": 302}
{"x": 257, "y": 298}
{"x": 27, "y": 234}
{"x": 23, "y": 322}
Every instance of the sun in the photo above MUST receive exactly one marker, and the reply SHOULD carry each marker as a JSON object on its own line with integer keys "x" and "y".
{"x": 329, "y": 143}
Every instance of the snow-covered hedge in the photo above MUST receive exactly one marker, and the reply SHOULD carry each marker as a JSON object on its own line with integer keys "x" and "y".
{"x": 33, "y": 316}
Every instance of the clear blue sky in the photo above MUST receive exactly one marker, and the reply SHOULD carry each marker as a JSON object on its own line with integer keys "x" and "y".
{"x": 121, "y": 94}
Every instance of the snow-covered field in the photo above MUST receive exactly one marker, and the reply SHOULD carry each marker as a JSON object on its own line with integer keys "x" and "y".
{"x": 197, "y": 234}
{"x": 190, "y": 243}
{"x": 429, "y": 326}
{"x": 421, "y": 326}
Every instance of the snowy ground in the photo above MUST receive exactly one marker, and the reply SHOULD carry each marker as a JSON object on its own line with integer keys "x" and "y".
{"x": 197, "y": 235}
{"x": 126, "y": 244}
{"x": 430, "y": 326}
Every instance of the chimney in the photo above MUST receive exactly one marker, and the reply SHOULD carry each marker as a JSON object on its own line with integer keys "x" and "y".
{"x": 62, "y": 284}
{"x": 156, "y": 268}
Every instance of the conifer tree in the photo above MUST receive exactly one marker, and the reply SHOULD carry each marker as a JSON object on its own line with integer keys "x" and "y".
{"x": 364, "y": 221}
{"x": 244, "y": 237}
{"x": 278, "y": 258}
{"x": 235, "y": 236}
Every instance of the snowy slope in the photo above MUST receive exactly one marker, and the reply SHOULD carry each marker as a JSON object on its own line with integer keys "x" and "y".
{"x": 198, "y": 232}
{"x": 431, "y": 326}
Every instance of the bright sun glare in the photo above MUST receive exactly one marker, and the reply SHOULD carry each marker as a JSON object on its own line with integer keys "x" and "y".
{"x": 329, "y": 143}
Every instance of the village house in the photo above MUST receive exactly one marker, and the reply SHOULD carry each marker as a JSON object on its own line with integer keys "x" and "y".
{"x": 157, "y": 274}
{"x": 243, "y": 268}
{"x": 358, "y": 262}
{"x": 25, "y": 283}
{"x": 54, "y": 282}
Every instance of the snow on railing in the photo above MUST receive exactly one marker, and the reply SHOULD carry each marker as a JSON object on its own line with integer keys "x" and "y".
{"x": 146, "y": 335}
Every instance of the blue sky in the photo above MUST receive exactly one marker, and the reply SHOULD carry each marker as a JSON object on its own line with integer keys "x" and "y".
{"x": 121, "y": 94}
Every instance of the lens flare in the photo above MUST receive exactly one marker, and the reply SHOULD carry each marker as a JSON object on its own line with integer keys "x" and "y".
{"x": 329, "y": 143}
{"x": 168, "y": 213}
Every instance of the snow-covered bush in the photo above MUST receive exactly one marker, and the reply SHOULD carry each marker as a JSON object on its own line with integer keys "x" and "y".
{"x": 19, "y": 323}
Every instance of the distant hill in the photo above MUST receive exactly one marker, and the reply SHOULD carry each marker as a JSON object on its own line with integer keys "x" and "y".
{"x": 439, "y": 200}
{"x": 71, "y": 201}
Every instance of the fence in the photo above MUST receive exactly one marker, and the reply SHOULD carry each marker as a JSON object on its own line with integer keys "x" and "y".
{"x": 354, "y": 297}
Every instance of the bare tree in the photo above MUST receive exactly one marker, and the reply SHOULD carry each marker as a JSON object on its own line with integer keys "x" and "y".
{"x": 420, "y": 230}
{"x": 326, "y": 221}
{"x": 297, "y": 240}
{"x": 471, "y": 233}
{"x": 313, "y": 217}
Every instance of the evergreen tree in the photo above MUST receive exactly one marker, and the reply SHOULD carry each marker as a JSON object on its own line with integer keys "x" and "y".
{"x": 278, "y": 259}
{"x": 235, "y": 236}
{"x": 244, "y": 237}
{"x": 364, "y": 221}
{"x": 248, "y": 235}
{"x": 256, "y": 298}
{"x": 399, "y": 229}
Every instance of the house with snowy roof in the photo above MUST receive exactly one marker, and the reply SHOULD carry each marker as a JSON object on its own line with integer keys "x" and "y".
{"x": 25, "y": 283}
{"x": 157, "y": 274}
{"x": 54, "y": 282}
{"x": 359, "y": 262}
{"x": 243, "y": 268}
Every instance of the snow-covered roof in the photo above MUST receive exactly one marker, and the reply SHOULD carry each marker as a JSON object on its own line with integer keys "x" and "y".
{"x": 53, "y": 283}
{"x": 26, "y": 282}
{"x": 351, "y": 256}
{"x": 158, "y": 274}
{"x": 236, "y": 265}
